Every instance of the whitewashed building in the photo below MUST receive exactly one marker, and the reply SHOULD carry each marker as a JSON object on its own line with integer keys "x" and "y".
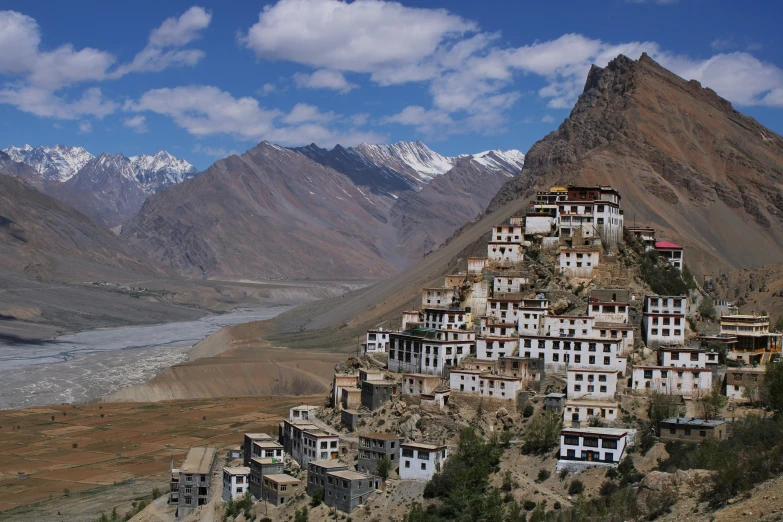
{"x": 507, "y": 234}
{"x": 486, "y": 384}
{"x": 578, "y": 261}
{"x": 609, "y": 311}
{"x": 319, "y": 445}
{"x": 476, "y": 265}
{"x": 663, "y": 321}
{"x": 543, "y": 222}
{"x": 505, "y": 253}
{"x": 492, "y": 347}
{"x": 573, "y": 352}
{"x": 302, "y": 412}
{"x": 688, "y": 382}
{"x": 682, "y": 357}
{"x": 591, "y": 383}
{"x": 420, "y": 461}
{"x": 582, "y": 448}
{"x": 437, "y": 297}
{"x": 376, "y": 341}
{"x": 235, "y": 482}
{"x": 509, "y": 283}
{"x": 410, "y": 319}
{"x": 438, "y": 318}
{"x": 429, "y": 351}
{"x": 578, "y": 412}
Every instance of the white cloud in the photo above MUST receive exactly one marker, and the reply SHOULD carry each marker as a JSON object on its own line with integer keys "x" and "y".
{"x": 43, "y": 102}
{"x": 547, "y": 118}
{"x": 268, "y": 88}
{"x": 206, "y": 110}
{"x": 723, "y": 44}
{"x": 85, "y": 127}
{"x": 214, "y": 152}
{"x": 359, "y": 120}
{"x": 427, "y": 122}
{"x": 163, "y": 50}
{"x": 324, "y": 79}
{"x": 136, "y": 123}
{"x": 365, "y": 36}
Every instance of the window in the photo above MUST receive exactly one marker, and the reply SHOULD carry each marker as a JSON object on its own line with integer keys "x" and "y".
{"x": 609, "y": 443}
{"x": 407, "y": 464}
{"x": 702, "y": 434}
{"x": 590, "y": 442}
{"x": 424, "y": 466}
{"x": 406, "y": 452}
{"x": 571, "y": 440}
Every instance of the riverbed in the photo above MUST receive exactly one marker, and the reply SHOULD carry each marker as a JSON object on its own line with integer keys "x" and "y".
{"x": 87, "y": 365}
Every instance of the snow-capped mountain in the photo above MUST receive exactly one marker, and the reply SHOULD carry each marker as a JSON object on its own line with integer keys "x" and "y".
{"x": 160, "y": 170}
{"x": 501, "y": 160}
{"x": 58, "y": 163}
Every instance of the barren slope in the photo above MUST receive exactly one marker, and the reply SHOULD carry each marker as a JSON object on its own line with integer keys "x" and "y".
{"x": 683, "y": 159}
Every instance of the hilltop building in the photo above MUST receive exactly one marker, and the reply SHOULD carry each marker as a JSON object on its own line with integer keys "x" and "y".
{"x": 755, "y": 343}
{"x": 190, "y": 483}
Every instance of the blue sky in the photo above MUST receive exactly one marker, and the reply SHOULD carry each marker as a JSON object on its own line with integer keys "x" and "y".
{"x": 207, "y": 79}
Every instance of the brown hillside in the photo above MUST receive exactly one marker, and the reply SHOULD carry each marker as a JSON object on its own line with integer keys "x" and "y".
{"x": 683, "y": 159}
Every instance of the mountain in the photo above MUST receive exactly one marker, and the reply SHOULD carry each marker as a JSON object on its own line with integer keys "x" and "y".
{"x": 313, "y": 212}
{"x": 684, "y": 160}
{"x": 105, "y": 189}
{"x": 160, "y": 171}
{"x": 58, "y": 163}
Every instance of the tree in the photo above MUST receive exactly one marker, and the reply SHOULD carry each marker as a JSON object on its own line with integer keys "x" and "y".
{"x": 778, "y": 327}
{"x": 750, "y": 392}
{"x": 771, "y": 391}
{"x": 384, "y": 467}
{"x": 543, "y": 432}
{"x": 317, "y": 498}
{"x": 707, "y": 308}
{"x": 713, "y": 402}
{"x": 300, "y": 515}
{"x": 663, "y": 406}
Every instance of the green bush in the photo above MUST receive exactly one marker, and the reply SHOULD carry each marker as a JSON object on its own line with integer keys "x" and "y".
{"x": 576, "y": 487}
{"x": 662, "y": 278}
{"x": 317, "y": 498}
{"x": 543, "y": 432}
{"x": 300, "y": 515}
{"x": 543, "y": 474}
{"x": 528, "y": 411}
{"x": 529, "y": 505}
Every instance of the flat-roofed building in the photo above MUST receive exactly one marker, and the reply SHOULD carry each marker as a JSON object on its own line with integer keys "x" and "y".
{"x": 235, "y": 482}
{"x": 509, "y": 282}
{"x": 682, "y": 356}
{"x": 369, "y": 374}
{"x": 420, "y": 383}
{"x": 574, "y": 352}
{"x": 319, "y": 445}
{"x": 259, "y": 468}
{"x": 663, "y": 320}
{"x": 410, "y": 319}
{"x": 445, "y": 319}
{"x": 492, "y": 347}
{"x": 609, "y": 311}
{"x": 738, "y": 380}
{"x": 420, "y": 461}
{"x": 376, "y": 341}
{"x": 579, "y": 261}
{"x": 592, "y": 383}
{"x": 582, "y": 448}
{"x": 755, "y": 343}
{"x": 377, "y": 393}
{"x": 430, "y": 351}
{"x": 351, "y": 399}
{"x": 247, "y": 446}
{"x": 691, "y": 429}
{"x": 341, "y": 381}
{"x": 277, "y": 489}
{"x": 672, "y": 252}
{"x": 578, "y": 412}
{"x": 645, "y": 235}
{"x": 476, "y": 265}
{"x": 193, "y": 480}
{"x": 373, "y": 447}
{"x": 438, "y": 297}
{"x": 508, "y": 233}
{"x": 302, "y": 412}
{"x": 527, "y": 368}
{"x": 346, "y": 490}
{"x": 505, "y": 253}
{"x": 687, "y": 382}
{"x": 316, "y": 473}
{"x": 292, "y": 437}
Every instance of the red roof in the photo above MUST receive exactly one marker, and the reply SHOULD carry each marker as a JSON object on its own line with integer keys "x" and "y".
{"x": 667, "y": 244}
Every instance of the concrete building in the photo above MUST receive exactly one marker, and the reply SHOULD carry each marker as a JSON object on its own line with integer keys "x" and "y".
{"x": 688, "y": 382}
{"x": 319, "y": 445}
{"x": 509, "y": 282}
{"x": 411, "y": 319}
{"x": 235, "y": 482}
{"x": 476, "y": 265}
{"x": 266, "y": 449}
{"x": 341, "y": 381}
{"x": 578, "y": 412}
{"x": 277, "y": 489}
{"x": 440, "y": 319}
{"x": 302, "y": 412}
{"x": 672, "y": 252}
{"x": 508, "y": 233}
{"x": 527, "y": 368}
{"x": 554, "y": 402}
{"x": 420, "y": 461}
{"x": 317, "y": 471}
{"x": 430, "y": 351}
{"x": 291, "y": 436}
{"x": 560, "y": 353}
{"x": 346, "y": 490}
{"x": 755, "y": 343}
{"x": 259, "y": 468}
{"x": 350, "y": 418}
{"x": 190, "y": 482}
{"x": 247, "y": 445}
{"x": 663, "y": 320}
{"x": 645, "y": 235}
{"x": 376, "y": 341}
{"x": 377, "y": 393}
{"x": 682, "y": 357}
{"x": 351, "y": 399}
{"x": 582, "y": 448}
{"x": 579, "y": 261}
{"x": 691, "y": 429}
{"x": 740, "y": 379}
{"x": 367, "y": 374}
{"x": 438, "y": 297}
{"x": 592, "y": 383}
{"x": 373, "y": 447}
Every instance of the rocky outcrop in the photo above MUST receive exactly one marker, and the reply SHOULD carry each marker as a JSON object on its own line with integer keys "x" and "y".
{"x": 685, "y": 161}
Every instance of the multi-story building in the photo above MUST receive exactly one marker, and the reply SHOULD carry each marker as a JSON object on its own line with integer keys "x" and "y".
{"x": 302, "y": 412}
{"x": 509, "y": 282}
{"x": 492, "y": 347}
{"x": 411, "y": 319}
{"x": 373, "y": 447}
{"x": 445, "y": 319}
{"x": 508, "y": 233}
{"x": 664, "y": 319}
{"x": 645, "y": 235}
{"x": 190, "y": 482}
{"x": 486, "y": 384}
{"x": 755, "y": 343}
{"x": 420, "y": 383}
{"x": 738, "y": 380}
{"x": 582, "y": 448}
{"x": 688, "y": 382}
{"x": 346, "y": 490}
{"x": 691, "y": 429}
{"x": 579, "y": 261}
{"x": 247, "y": 446}
{"x": 584, "y": 383}
{"x": 420, "y": 461}
{"x": 505, "y": 254}
{"x": 340, "y": 382}
{"x": 259, "y": 468}
{"x": 235, "y": 482}
{"x": 317, "y": 471}
{"x": 438, "y": 297}
{"x": 377, "y": 393}
{"x": 376, "y": 341}
{"x": 430, "y": 351}
{"x": 529, "y": 369}
{"x": 609, "y": 311}
{"x": 476, "y": 265}
{"x": 266, "y": 449}
{"x": 590, "y": 212}
{"x": 574, "y": 352}
{"x": 672, "y": 252}
{"x": 277, "y": 489}
{"x": 319, "y": 445}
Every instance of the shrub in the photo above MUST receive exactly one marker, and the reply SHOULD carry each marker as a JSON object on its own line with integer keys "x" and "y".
{"x": 156, "y": 493}
{"x": 317, "y": 498}
{"x": 508, "y": 481}
{"x": 384, "y": 467}
{"x": 707, "y": 308}
{"x": 528, "y": 411}
{"x": 661, "y": 277}
{"x": 300, "y": 515}
{"x": 529, "y": 505}
{"x": 564, "y": 473}
{"x": 576, "y": 487}
{"x": 543, "y": 432}
{"x": 543, "y": 474}
{"x": 607, "y": 488}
